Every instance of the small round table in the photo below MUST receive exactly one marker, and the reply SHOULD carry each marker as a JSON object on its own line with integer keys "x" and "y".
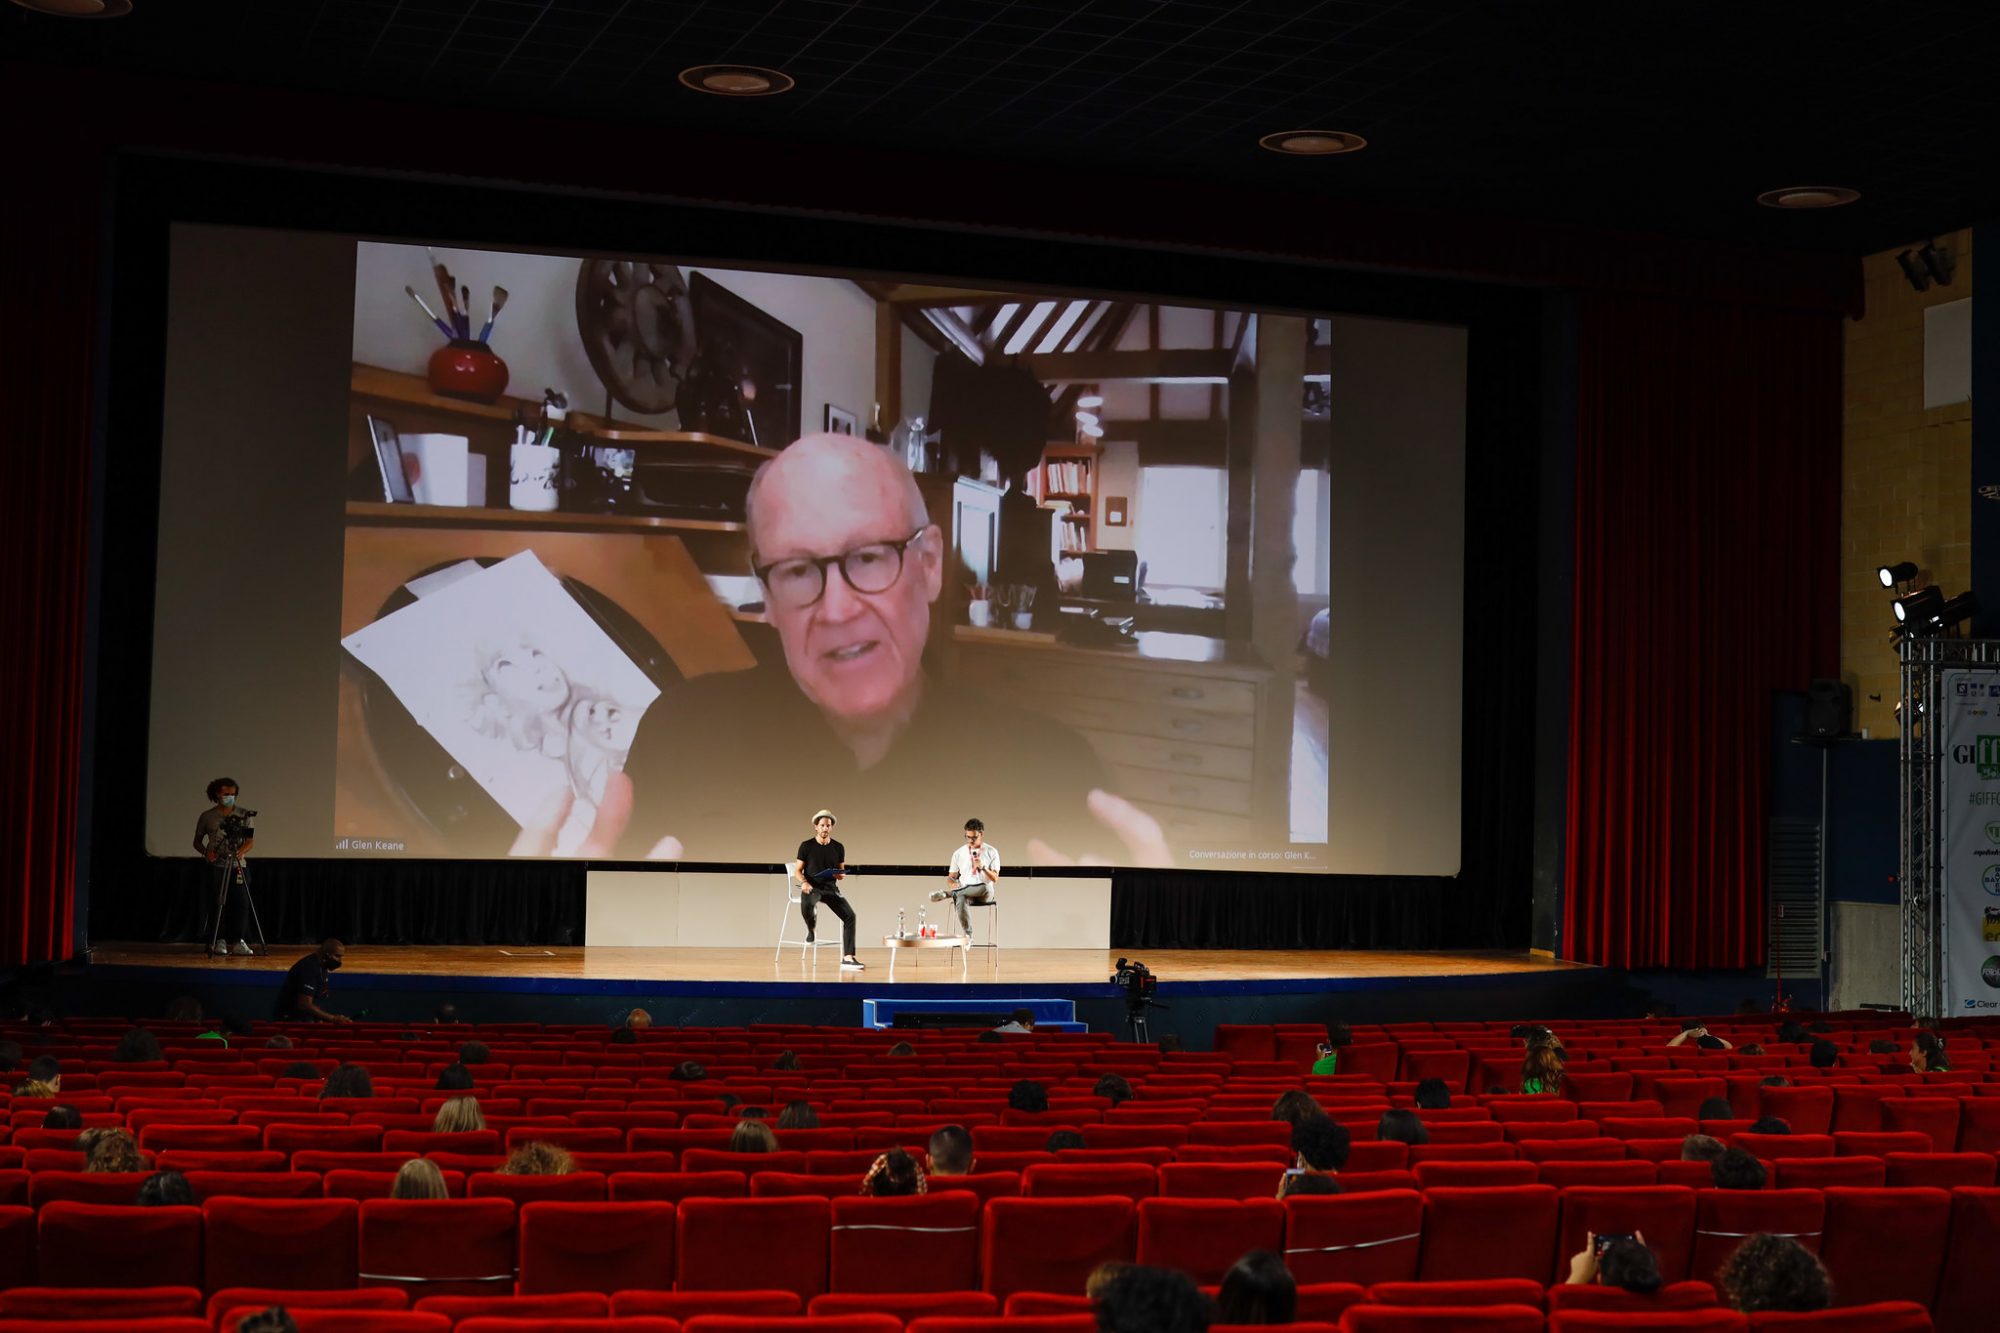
{"x": 896, "y": 945}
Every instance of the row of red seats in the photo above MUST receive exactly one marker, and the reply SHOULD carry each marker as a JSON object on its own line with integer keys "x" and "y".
{"x": 1887, "y": 1244}
{"x": 1318, "y": 1304}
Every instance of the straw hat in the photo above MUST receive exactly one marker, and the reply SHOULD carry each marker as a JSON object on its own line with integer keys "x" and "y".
{"x": 824, "y": 814}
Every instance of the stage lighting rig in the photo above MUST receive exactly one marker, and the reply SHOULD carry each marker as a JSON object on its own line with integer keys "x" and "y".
{"x": 1902, "y": 571}
{"x": 1915, "y": 611}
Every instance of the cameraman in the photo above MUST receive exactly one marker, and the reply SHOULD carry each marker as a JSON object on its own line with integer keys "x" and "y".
{"x": 211, "y": 841}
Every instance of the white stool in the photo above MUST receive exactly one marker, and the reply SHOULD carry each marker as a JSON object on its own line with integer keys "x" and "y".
{"x": 790, "y": 912}
{"x": 991, "y": 940}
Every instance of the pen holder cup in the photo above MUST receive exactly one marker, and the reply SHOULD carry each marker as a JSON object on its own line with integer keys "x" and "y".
{"x": 463, "y": 368}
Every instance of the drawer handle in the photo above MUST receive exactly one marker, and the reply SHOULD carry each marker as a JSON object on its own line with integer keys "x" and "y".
{"x": 1190, "y": 692}
{"x": 1182, "y": 790}
{"x": 1186, "y": 724}
{"x": 1184, "y": 757}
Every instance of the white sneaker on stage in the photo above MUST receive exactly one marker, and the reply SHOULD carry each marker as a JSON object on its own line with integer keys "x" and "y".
{"x": 243, "y": 949}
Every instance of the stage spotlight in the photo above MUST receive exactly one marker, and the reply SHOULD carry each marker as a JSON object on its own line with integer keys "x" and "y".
{"x": 1956, "y": 611}
{"x": 1901, "y": 572}
{"x": 1918, "y": 610}
{"x": 1914, "y": 271}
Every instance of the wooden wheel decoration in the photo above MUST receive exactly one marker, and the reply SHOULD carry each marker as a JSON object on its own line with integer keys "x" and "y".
{"x": 637, "y": 328}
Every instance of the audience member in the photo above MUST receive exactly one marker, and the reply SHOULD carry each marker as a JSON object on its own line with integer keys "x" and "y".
{"x": 1626, "y": 1262}
{"x": 638, "y": 1020}
{"x": 274, "y": 1319}
{"x": 1258, "y": 1289}
{"x": 46, "y": 1069}
{"x": 752, "y": 1113}
{"x": 1752, "y": 1049}
{"x": 35, "y": 1088}
{"x": 752, "y": 1136}
{"x": 302, "y": 1070}
{"x": 730, "y": 1101}
{"x": 421, "y": 1179}
{"x": 165, "y": 1189}
{"x": 1774, "y": 1081}
{"x": 1019, "y": 1023}
{"x": 537, "y": 1158}
{"x": 1823, "y": 1054}
{"x": 1881, "y": 1046}
{"x": 1152, "y": 1300}
{"x": 1694, "y": 1030}
{"x": 1770, "y": 1124}
{"x": 454, "y": 1077}
{"x": 1294, "y": 1106}
{"x": 459, "y": 1115}
{"x": 473, "y": 1053}
{"x": 894, "y": 1173}
{"x": 1402, "y": 1127}
{"x": 137, "y": 1046}
{"x": 183, "y": 1009}
{"x": 1737, "y": 1169}
{"x": 1321, "y": 1144}
{"x": 1307, "y": 1182}
{"x": 1774, "y": 1273}
{"x": 347, "y": 1080}
{"x": 688, "y": 1071}
{"x": 1791, "y": 1033}
{"x": 1338, "y": 1036}
{"x": 1028, "y": 1095}
{"x": 107, "y": 1149}
{"x": 1114, "y": 1087}
{"x": 1062, "y": 1139}
{"x": 1701, "y": 1148}
{"x": 798, "y": 1115}
{"x": 1432, "y": 1095}
{"x": 1542, "y": 1067}
{"x": 63, "y": 1117}
{"x": 901, "y": 1049}
{"x": 277, "y": 1041}
{"x": 1102, "y": 1277}
{"x": 1927, "y": 1054}
{"x": 1716, "y": 1108}
{"x": 950, "y": 1152}
{"x": 787, "y": 1062}
{"x": 446, "y": 1015}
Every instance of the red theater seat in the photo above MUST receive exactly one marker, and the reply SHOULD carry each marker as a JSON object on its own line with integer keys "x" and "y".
{"x": 1205, "y": 1237}
{"x": 107, "y": 1245}
{"x": 1075, "y": 1323}
{"x": 1965, "y": 1296}
{"x": 1773, "y": 1147}
{"x": 100, "y": 1187}
{"x": 1818, "y": 1173}
{"x": 1711, "y": 1320}
{"x": 1934, "y": 1117}
{"x": 1724, "y": 1218}
{"x": 1592, "y": 1296}
{"x": 1483, "y": 1233}
{"x": 1883, "y": 1317}
{"x": 1478, "y": 1291}
{"x": 1217, "y": 1180}
{"x": 1663, "y": 1213}
{"x": 1881, "y": 1144}
{"x": 688, "y": 1304}
{"x": 673, "y": 1186}
{"x": 353, "y": 1321}
{"x": 906, "y": 1305}
{"x": 717, "y": 1159}
{"x": 1979, "y": 1124}
{"x": 1807, "y": 1110}
{"x": 1074, "y": 1180}
{"x": 600, "y": 1247}
{"x": 1274, "y": 1133}
{"x": 346, "y": 1298}
{"x": 1886, "y": 1244}
{"x": 254, "y": 1185}
{"x": 289, "y": 1138}
{"x": 583, "y": 1324}
{"x": 101, "y": 1302}
{"x": 1360, "y": 1238}
{"x": 571, "y": 1187}
{"x": 563, "y": 1305}
{"x": 787, "y": 1236}
{"x": 922, "y": 1243}
{"x": 1941, "y": 1170}
{"x": 1441, "y": 1319}
{"x": 1029, "y": 1304}
{"x": 1475, "y": 1174}
{"x": 304, "y": 1243}
{"x": 1053, "y": 1244}
{"x": 845, "y": 1323}
{"x": 164, "y": 1324}
{"x": 1626, "y": 1173}
{"x": 438, "y": 1247}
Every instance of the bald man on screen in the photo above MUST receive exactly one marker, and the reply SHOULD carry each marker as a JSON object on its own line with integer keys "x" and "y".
{"x": 851, "y": 563}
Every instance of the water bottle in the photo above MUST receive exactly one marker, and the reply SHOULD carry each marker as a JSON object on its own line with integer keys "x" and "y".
{"x": 901, "y": 933}
{"x": 923, "y": 931}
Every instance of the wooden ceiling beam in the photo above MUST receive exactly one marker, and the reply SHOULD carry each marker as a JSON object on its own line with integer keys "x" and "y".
{"x": 1196, "y": 365}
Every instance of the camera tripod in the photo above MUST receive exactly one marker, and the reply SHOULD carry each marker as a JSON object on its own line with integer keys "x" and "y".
{"x": 230, "y": 868}
{"x": 1136, "y": 1025}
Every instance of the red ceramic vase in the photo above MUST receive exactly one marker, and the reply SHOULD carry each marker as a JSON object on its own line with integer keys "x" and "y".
{"x": 463, "y": 368}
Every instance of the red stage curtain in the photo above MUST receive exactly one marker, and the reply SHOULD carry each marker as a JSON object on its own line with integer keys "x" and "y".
{"x": 1707, "y": 535}
{"x": 47, "y": 270}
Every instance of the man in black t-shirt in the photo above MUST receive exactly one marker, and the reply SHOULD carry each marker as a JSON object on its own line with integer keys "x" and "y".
{"x": 820, "y": 864}
{"x": 303, "y": 994}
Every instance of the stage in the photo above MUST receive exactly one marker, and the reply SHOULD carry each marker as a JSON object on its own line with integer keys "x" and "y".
{"x": 1200, "y": 987}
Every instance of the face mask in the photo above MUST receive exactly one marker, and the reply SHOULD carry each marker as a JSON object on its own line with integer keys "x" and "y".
{"x": 333, "y": 965}
{"x": 229, "y": 800}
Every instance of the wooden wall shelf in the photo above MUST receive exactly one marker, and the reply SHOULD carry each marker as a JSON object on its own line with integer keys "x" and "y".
{"x": 453, "y": 516}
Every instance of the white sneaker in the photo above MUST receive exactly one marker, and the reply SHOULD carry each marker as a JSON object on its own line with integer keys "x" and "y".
{"x": 244, "y": 950}
{"x": 940, "y": 895}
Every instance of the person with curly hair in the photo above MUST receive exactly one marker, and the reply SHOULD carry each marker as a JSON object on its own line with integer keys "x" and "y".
{"x": 1028, "y": 1095}
{"x": 110, "y": 1150}
{"x": 1774, "y": 1273}
{"x": 1294, "y": 1106}
{"x": 347, "y": 1081}
{"x": 1113, "y": 1086}
{"x": 1152, "y": 1300}
{"x": 893, "y": 1174}
{"x": 536, "y": 1158}
{"x": 1626, "y": 1262}
{"x": 1259, "y": 1289}
{"x": 1542, "y": 1068}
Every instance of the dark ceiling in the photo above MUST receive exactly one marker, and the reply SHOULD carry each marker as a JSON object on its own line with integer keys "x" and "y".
{"x": 1637, "y": 115}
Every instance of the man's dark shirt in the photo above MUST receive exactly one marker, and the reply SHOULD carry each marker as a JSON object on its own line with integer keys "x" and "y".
{"x": 819, "y": 858}
{"x": 726, "y": 762}
{"x": 308, "y": 978}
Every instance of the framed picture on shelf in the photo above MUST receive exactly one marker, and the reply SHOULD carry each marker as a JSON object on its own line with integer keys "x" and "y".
{"x": 756, "y": 355}
{"x": 840, "y": 421}
{"x": 389, "y": 461}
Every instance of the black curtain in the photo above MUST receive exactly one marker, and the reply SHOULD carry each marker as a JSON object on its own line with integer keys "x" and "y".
{"x": 360, "y": 902}
{"x": 1167, "y": 909}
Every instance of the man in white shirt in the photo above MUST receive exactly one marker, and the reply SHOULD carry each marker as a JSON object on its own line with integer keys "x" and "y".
{"x": 975, "y": 871}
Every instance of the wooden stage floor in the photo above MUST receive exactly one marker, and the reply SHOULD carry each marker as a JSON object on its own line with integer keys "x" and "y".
{"x": 933, "y": 966}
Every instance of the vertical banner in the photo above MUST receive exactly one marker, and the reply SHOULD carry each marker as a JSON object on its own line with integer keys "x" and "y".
{"x": 1969, "y": 794}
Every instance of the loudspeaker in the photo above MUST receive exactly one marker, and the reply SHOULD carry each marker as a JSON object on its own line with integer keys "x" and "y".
{"x": 1829, "y": 709}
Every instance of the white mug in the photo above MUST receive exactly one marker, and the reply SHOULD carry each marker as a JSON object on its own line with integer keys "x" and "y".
{"x": 1023, "y": 619}
{"x": 979, "y": 613}
{"x": 531, "y": 476}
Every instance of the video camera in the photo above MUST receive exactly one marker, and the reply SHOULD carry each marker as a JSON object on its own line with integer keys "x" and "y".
{"x": 235, "y": 827}
{"x": 1136, "y": 979}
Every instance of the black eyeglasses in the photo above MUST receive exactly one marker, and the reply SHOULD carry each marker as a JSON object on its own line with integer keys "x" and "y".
{"x": 801, "y": 582}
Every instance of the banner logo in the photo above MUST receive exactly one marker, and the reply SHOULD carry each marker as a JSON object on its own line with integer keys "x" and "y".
{"x": 1989, "y": 972}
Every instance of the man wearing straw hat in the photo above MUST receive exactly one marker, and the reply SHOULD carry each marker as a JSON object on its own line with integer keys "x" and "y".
{"x": 820, "y": 865}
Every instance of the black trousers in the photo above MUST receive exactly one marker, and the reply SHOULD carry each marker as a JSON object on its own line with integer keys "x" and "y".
{"x": 834, "y": 903}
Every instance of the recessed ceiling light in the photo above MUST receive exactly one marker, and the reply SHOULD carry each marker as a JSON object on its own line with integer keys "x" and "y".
{"x": 737, "y": 80}
{"x": 1808, "y": 196}
{"x": 1091, "y": 400}
{"x": 1313, "y": 143}
{"x": 79, "y": 9}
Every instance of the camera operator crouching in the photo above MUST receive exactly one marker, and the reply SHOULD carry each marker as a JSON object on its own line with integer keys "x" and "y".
{"x": 223, "y": 835}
